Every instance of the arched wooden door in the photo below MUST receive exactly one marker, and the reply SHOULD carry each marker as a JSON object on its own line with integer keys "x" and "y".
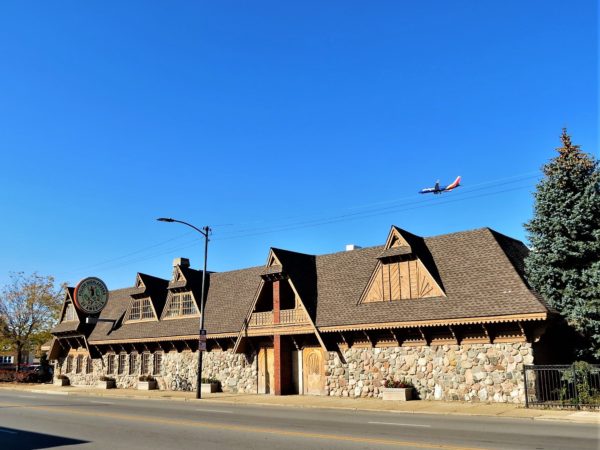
{"x": 266, "y": 372}
{"x": 313, "y": 376}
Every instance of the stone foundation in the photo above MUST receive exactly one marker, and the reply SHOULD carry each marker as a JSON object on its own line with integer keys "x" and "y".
{"x": 469, "y": 372}
{"x": 236, "y": 372}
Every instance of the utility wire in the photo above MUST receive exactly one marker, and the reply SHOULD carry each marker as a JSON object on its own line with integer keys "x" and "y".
{"x": 310, "y": 224}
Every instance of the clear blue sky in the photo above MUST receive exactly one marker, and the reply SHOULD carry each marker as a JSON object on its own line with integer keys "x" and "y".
{"x": 301, "y": 125}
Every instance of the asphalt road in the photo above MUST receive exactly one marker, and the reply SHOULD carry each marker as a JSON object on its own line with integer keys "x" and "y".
{"x": 35, "y": 421}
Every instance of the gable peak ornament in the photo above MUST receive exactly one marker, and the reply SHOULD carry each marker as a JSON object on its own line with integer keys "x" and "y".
{"x": 91, "y": 295}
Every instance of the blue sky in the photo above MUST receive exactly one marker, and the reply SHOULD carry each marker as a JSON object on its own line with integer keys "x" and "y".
{"x": 305, "y": 125}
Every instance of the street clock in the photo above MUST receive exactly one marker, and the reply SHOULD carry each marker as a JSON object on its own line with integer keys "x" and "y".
{"x": 91, "y": 295}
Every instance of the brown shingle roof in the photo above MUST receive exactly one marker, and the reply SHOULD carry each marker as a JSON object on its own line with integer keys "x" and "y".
{"x": 227, "y": 302}
{"x": 480, "y": 272}
{"x": 478, "y": 278}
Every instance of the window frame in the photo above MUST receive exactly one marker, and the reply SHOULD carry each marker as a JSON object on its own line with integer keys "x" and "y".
{"x": 110, "y": 363}
{"x": 121, "y": 363}
{"x": 133, "y": 363}
{"x": 178, "y": 303}
{"x": 157, "y": 363}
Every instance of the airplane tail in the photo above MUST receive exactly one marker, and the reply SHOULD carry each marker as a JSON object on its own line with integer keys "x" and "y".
{"x": 455, "y": 184}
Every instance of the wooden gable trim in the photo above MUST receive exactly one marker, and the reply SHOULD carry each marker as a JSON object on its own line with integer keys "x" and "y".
{"x": 189, "y": 337}
{"x": 395, "y": 239}
{"x": 272, "y": 259}
{"x": 139, "y": 283}
{"x": 312, "y": 323}
{"x": 244, "y": 329}
{"x": 178, "y": 275}
{"x": 69, "y": 298}
{"x": 438, "y": 322}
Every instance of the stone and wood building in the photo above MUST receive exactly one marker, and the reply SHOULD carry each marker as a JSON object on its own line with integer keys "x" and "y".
{"x": 452, "y": 314}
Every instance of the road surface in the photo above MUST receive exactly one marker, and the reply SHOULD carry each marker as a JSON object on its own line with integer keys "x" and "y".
{"x": 35, "y": 420}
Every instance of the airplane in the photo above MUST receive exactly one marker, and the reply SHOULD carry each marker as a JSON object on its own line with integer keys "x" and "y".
{"x": 439, "y": 190}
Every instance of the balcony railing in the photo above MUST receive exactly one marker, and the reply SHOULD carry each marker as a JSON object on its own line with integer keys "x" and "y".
{"x": 286, "y": 317}
{"x": 261, "y": 319}
{"x": 293, "y": 316}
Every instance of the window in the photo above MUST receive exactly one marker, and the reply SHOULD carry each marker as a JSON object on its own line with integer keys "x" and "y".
{"x": 6, "y": 359}
{"x": 69, "y": 312}
{"x": 79, "y": 364}
{"x": 69, "y": 368}
{"x": 89, "y": 367}
{"x": 141, "y": 309}
{"x": 157, "y": 367}
{"x": 145, "y": 363}
{"x": 182, "y": 304}
{"x": 133, "y": 357}
{"x": 121, "y": 363}
{"x": 110, "y": 363}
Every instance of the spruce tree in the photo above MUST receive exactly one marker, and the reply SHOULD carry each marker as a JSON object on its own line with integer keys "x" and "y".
{"x": 564, "y": 264}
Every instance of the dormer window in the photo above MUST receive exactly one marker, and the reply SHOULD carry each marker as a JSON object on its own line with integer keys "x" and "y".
{"x": 181, "y": 304}
{"x": 141, "y": 309}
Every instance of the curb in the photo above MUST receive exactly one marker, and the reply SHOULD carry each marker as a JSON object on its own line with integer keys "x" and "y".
{"x": 501, "y": 415}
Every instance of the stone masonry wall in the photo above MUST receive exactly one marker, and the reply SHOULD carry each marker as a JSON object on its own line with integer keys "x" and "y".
{"x": 236, "y": 372}
{"x": 470, "y": 372}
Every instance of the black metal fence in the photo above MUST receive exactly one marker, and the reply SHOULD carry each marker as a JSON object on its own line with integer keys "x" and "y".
{"x": 575, "y": 386}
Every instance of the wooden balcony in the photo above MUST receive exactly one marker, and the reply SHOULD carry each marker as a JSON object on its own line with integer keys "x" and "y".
{"x": 261, "y": 319}
{"x": 286, "y": 317}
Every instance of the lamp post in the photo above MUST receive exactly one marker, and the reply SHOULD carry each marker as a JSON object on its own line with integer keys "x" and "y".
{"x": 204, "y": 232}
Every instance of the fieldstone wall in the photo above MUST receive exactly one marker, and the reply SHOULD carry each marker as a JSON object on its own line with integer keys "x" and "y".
{"x": 470, "y": 372}
{"x": 235, "y": 372}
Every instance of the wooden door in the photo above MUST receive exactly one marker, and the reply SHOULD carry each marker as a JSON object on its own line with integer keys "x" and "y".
{"x": 266, "y": 372}
{"x": 312, "y": 371}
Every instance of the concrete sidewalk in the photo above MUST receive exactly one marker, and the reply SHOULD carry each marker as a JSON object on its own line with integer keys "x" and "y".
{"x": 308, "y": 401}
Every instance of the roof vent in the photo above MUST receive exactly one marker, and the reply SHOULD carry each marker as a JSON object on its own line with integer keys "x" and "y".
{"x": 182, "y": 262}
{"x": 350, "y": 247}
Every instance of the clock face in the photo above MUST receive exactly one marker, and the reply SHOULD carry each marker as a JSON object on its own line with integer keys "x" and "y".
{"x": 91, "y": 295}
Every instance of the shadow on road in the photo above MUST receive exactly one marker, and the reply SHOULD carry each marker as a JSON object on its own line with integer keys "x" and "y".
{"x": 28, "y": 440}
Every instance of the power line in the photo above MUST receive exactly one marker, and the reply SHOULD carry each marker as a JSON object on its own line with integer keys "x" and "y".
{"x": 320, "y": 222}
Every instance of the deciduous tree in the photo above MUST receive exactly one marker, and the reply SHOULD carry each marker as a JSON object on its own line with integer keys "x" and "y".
{"x": 29, "y": 308}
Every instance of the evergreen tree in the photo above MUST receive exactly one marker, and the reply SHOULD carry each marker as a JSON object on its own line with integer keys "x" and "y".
{"x": 564, "y": 264}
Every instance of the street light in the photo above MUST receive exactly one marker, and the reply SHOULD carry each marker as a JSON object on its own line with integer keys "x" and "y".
{"x": 204, "y": 232}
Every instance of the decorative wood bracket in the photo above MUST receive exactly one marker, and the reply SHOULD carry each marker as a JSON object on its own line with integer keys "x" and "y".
{"x": 488, "y": 332}
{"x": 396, "y": 336}
{"x": 424, "y": 336}
{"x": 524, "y": 331}
{"x": 369, "y": 338}
{"x": 455, "y": 334}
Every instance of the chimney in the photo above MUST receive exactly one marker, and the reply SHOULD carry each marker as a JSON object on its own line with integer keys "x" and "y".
{"x": 350, "y": 247}
{"x": 182, "y": 262}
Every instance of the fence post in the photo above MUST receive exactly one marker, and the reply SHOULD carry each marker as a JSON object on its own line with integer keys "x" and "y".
{"x": 575, "y": 386}
{"x": 525, "y": 381}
